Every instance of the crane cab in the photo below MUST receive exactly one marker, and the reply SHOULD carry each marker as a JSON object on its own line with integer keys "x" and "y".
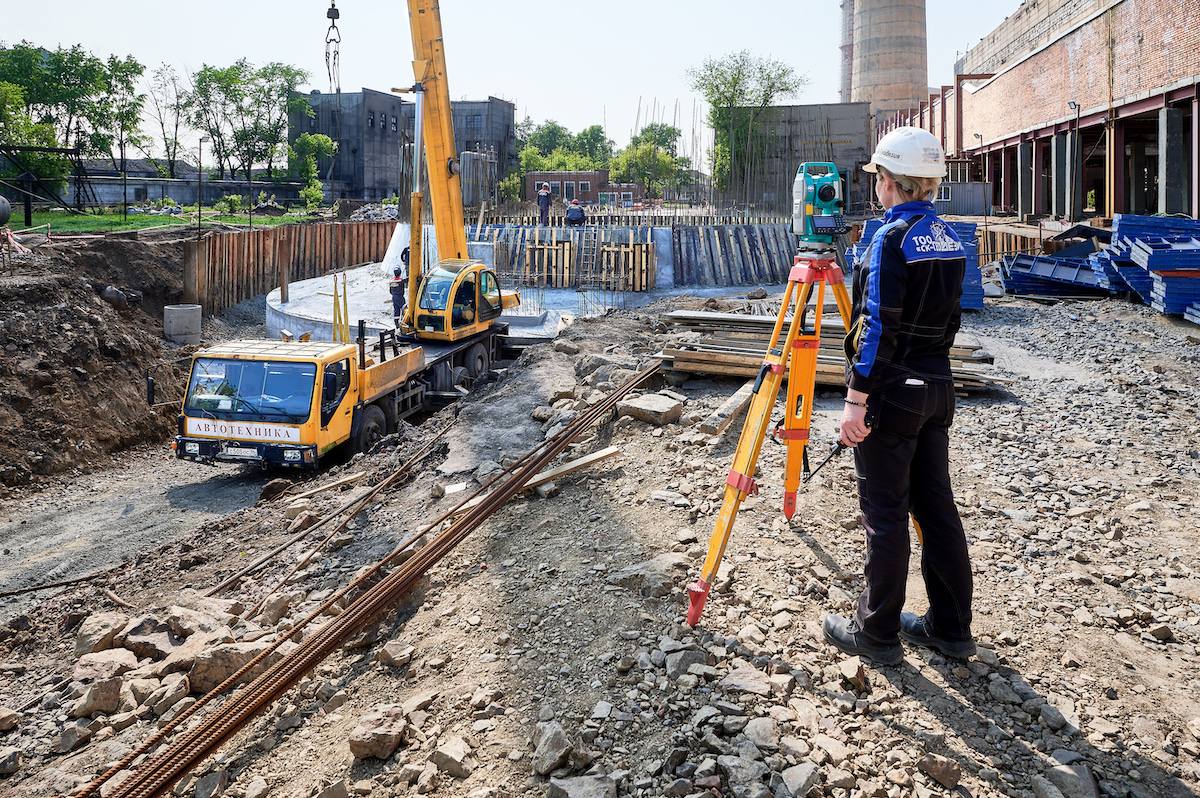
{"x": 459, "y": 298}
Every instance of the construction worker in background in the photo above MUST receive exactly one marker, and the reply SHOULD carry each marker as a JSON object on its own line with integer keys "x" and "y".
{"x": 399, "y": 288}
{"x": 543, "y": 203}
{"x": 576, "y": 215}
{"x": 898, "y": 410}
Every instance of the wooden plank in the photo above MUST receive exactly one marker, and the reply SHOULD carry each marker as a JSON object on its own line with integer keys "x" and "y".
{"x": 349, "y": 479}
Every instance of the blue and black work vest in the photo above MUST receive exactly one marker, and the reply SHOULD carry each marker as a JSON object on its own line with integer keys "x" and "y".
{"x": 907, "y": 289}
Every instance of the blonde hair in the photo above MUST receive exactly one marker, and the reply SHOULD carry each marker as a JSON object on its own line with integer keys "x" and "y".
{"x": 914, "y": 187}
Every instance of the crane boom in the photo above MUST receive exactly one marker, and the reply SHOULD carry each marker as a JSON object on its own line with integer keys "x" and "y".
{"x": 429, "y": 69}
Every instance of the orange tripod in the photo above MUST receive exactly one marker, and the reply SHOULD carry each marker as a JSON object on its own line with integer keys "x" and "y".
{"x": 794, "y": 349}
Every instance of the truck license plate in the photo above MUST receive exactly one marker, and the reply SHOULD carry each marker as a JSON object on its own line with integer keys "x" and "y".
{"x": 240, "y": 451}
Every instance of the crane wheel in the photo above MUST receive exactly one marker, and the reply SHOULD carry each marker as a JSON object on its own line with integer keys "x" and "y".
{"x": 372, "y": 430}
{"x": 478, "y": 361}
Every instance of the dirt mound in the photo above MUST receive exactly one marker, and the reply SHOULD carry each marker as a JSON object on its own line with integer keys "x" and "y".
{"x": 152, "y": 268}
{"x": 71, "y": 373}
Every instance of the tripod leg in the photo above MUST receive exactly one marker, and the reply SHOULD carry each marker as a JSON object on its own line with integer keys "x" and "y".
{"x": 740, "y": 482}
{"x": 840, "y": 295}
{"x": 802, "y": 378}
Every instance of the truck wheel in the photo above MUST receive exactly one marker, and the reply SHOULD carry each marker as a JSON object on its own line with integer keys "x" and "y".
{"x": 372, "y": 429}
{"x": 478, "y": 362}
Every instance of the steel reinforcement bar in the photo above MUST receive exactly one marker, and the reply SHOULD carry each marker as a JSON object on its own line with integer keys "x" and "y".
{"x": 156, "y": 775}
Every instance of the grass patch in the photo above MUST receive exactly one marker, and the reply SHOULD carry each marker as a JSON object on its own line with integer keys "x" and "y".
{"x": 69, "y": 223}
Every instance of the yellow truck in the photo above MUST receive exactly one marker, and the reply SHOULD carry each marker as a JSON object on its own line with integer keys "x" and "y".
{"x": 291, "y": 403}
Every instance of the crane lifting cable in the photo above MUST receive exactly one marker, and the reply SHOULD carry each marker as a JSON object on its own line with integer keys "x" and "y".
{"x": 333, "y": 67}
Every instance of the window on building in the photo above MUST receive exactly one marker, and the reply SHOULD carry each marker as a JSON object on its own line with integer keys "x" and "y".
{"x": 395, "y": 124}
{"x": 585, "y": 187}
{"x": 627, "y": 196}
{"x": 943, "y": 194}
{"x": 555, "y": 188}
{"x": 371, "y": 119}
{"x": 569, "y": 190}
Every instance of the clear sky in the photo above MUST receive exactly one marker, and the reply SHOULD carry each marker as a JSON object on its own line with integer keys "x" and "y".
{"x": 581, "y": 63}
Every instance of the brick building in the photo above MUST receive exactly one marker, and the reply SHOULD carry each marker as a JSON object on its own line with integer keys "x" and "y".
{"x": 590, "y": 188}
{"x": 1071, "y": 98}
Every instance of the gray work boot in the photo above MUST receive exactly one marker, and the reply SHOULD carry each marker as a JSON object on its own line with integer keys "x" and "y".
{"x": 915, "y": 629}
{"x": 844, "y": 633}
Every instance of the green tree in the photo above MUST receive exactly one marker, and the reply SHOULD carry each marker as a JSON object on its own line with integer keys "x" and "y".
{"x": 665, "y": 137}
{"x": 737, "y": 87}
{"x": 302, "y": 163}
{"x": 271, "y": 96}
{"x": 550, "y": 136}
{"x": 116, "y": 114}
{"x": 216, "y": 95}
{"x": 16, "y": 127}
{"x": 61, "y": 87}
{"x": 592, "y": 143}
{"x": 510, "y": 187}
{"x": 168, "y": 106}
{"x": 530, "y": 160}
{"x": 647, "y": 164}
{"x": 564, "y": 160}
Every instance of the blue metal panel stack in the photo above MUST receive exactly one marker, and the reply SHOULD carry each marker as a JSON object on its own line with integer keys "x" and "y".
{"x": 972, "y": 287}
{"x": 1167, "y": 250}
{"x": 1044, "y": 275}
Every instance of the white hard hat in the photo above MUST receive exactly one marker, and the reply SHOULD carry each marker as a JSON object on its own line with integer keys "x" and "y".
{"x": 909, "y": 151}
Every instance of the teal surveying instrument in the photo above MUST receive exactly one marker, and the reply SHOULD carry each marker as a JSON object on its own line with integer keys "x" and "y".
{"x": 817, "y": 206}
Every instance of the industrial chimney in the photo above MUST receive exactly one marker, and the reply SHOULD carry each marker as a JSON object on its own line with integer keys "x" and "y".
{"x": 847, "y": 50}
{"x": 890, "y": 54}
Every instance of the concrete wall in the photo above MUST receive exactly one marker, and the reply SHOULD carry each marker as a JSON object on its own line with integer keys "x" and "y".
{"x": 794, "y": 134}
{"x": 891, "y": 60}
{"x": 1033, "y": 24}
{"x": 110, "y": 191}
{"x": 374, "y": 153}
{"x": 1151, "y": 44}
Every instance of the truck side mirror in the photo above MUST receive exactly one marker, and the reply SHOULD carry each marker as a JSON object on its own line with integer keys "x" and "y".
{"x": 329, "y": 388}
{"x": 149, "y": 390}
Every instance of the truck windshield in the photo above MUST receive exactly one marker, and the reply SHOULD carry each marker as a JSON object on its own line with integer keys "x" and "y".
{"x": 255, "y": 390}
{"x": 437, "y": 289}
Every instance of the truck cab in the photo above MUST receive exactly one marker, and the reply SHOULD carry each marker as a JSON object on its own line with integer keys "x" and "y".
{"x": 290, "y": 404}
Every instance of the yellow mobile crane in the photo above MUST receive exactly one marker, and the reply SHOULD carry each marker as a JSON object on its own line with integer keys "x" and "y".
{"x": 290, "y": 403}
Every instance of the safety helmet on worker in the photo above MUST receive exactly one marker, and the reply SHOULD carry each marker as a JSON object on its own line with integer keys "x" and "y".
{"x": 909, "y": 151}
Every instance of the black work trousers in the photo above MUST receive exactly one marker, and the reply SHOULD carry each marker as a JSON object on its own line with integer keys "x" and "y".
{"x": 903, "y": 466}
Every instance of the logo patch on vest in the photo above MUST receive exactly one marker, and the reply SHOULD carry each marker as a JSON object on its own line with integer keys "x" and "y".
{"x": 940, "y": 239}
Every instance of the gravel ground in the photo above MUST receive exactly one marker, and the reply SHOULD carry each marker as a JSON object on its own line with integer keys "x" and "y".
{"x": 548, "y": 654}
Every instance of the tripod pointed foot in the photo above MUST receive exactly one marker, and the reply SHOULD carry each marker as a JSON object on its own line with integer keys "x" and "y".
{"x": 789, "y": 504}
{"x": 697, "y": 598}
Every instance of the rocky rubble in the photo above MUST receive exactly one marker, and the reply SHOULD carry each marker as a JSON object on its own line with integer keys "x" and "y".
{"x": 548, "y": 655}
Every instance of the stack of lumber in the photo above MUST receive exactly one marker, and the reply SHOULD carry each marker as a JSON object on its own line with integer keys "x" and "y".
{"x": 733, "y": 344}
{"x": 972, "y": 286}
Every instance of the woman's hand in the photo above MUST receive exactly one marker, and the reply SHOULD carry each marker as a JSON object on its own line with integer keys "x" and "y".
{"x": 854, "y": 427}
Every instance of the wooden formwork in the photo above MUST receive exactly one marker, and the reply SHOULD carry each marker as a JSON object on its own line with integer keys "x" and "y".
{"x": 552, "y": 257}
{"x": 623, "y": 266}
{"x": 223, "y": 269}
